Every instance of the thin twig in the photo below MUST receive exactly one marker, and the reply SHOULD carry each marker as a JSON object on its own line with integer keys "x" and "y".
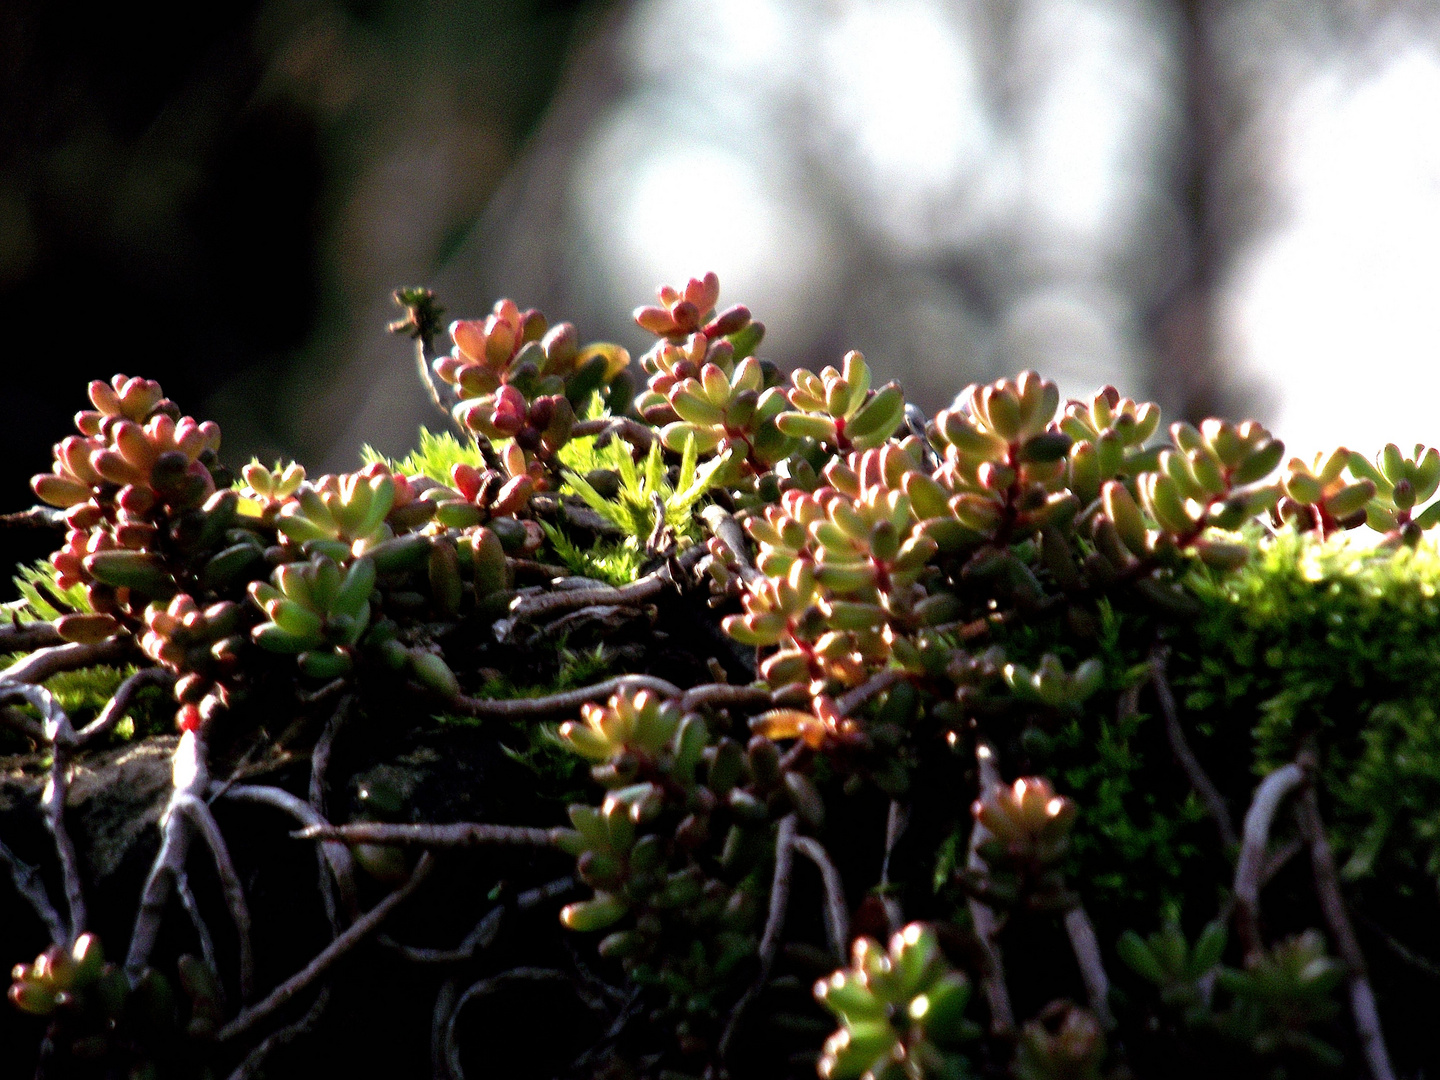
{"x": 1180, "y": 747}
{"x": 40, "y": 665}
{"x": 721, "y": 695}
{"x": 1332, "y": 904}
{"x": 197, "y": 920}
{"x": 1253, "y": 851}
{"x": 200, "y": 814}
{"x": 454, "y": 835}
{"x": 336, "y": 854}
{"x": 25, "y": 637}
{"x": 897, "y": 817}
{"x": 17, "y": 721}
{"x": 319, "y": 765}
{"x": 561, "y": 601}
{"x": 486, "y": 931}
{"x": 774, "y": 926}
{"x": 987, "y": 926}
{"x": 252, "y": 1065}
{"x": 482, "y": 988}
{"x": 191, "y": 777}
{"x": 28, "y": 884}
{"x": 732, "y": 537}
{"x": 638, "y": 435}
{"x": 837, "y": 912}
{"x": 353, "y": 935}
{"x": 59, "y": 733}
{"x": 1086, "y": 947}
{"x": 116, "y": 708}
{"x": 877, "y": 684}
{"x": 567, "y": 701}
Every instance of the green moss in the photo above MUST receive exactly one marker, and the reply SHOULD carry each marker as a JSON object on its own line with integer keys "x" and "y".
{"x": 433, "y": 457}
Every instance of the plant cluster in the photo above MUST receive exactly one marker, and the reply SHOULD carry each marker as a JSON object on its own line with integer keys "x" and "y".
{"x": 944, "y": 658}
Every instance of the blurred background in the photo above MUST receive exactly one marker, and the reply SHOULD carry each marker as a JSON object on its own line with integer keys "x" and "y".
{"x": 1232, "y": 207}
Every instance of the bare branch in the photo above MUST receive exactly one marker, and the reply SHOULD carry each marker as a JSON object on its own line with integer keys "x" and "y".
{"x": 837, "y": 912}
{"x": 1332, "y": 904}
{"x": 1086, "y": 947}
{"x": 254, "y": 1061}
{"x": 60, "y": 735}
{"x": 455, "y": 835}
{"x": 486, "y": 931}
{"x": 721, "y": 695}
{"x": 1253, "y": 851}
{"x": 336, "y": 854}
{"x": 40, "y": 665}
{"x": 319, "y": 765}
{"x": 774, "y": 926}
{"x": 561, "y": 601}
{"x": 200, "y": 814}
{"x": 848, "y": 702}
{"x": 17, "y": 721}
{"x": 728, "y": 531}
{"x": 1180, "y": 747}
{"x": 638, "y": 435}
{"x": 353, "y": 935}
{"x": 567, "y": 701}
{"x": 119, "y": 705}
{"x": 28, "y": 884}
{"x": 197, "y": 920}
{"x": 191, "y": 777}
{"x": 24, "y": 637}
{"x": 487, "y": 986}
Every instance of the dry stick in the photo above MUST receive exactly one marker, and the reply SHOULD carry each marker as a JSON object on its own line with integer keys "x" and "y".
{"x": 191, "y": 777}
{"x": 897, "y": 817}
{"x": 202, "y": 928}
{"x": 18, "y": 721}
{"x": 837, "y": 913}
{"x": 28, "y": 884}
{"x": 1086, "y": 947}
{"x": 556, "y": 603}
{"x": 487, "y": 930}
{"x": 490, "y": 985}
{"x": 567, "y": 701}
{"x": 1332, "y": 903}
{"x": 353, "y": 935}
{"x": 251, "y": 1066}
{"x": 987, "y": 926}
{"x": 200, "y": 814}
{"x": 732, "y": 537}
{"x": 116, "y": 708}
{"x": 59, "y": 733}
{"x": 336, "y": 854}
{"x": 1253, "y": 851}
{"x": 638, "y": 435}
{"x": 877, "y": 684}
{"x": 39, "y": 666}
{"x": 319, "y": 765}
{"x": 1199, "y": 780}
{"x": 458, "y": 834}
{"x": 720, "y": 695}
{"x": 774, "y": 926}
{"x": 24, "y": 637}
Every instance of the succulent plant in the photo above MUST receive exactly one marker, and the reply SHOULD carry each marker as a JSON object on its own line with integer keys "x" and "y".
{"x": 1028, "y": 835}
{"x": 203, "y": 646}
{"x": 901, "y": 1010}
{"x": 517, "y": 378}
{"x": 1065, "y": 1042}
{"x": 1282, "y": 998}
{"x": 316, "y": 611}
{"x": 1401, "y": 484}
{"x": 837, "y": 409}
{"x": 1180, "y": 971}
